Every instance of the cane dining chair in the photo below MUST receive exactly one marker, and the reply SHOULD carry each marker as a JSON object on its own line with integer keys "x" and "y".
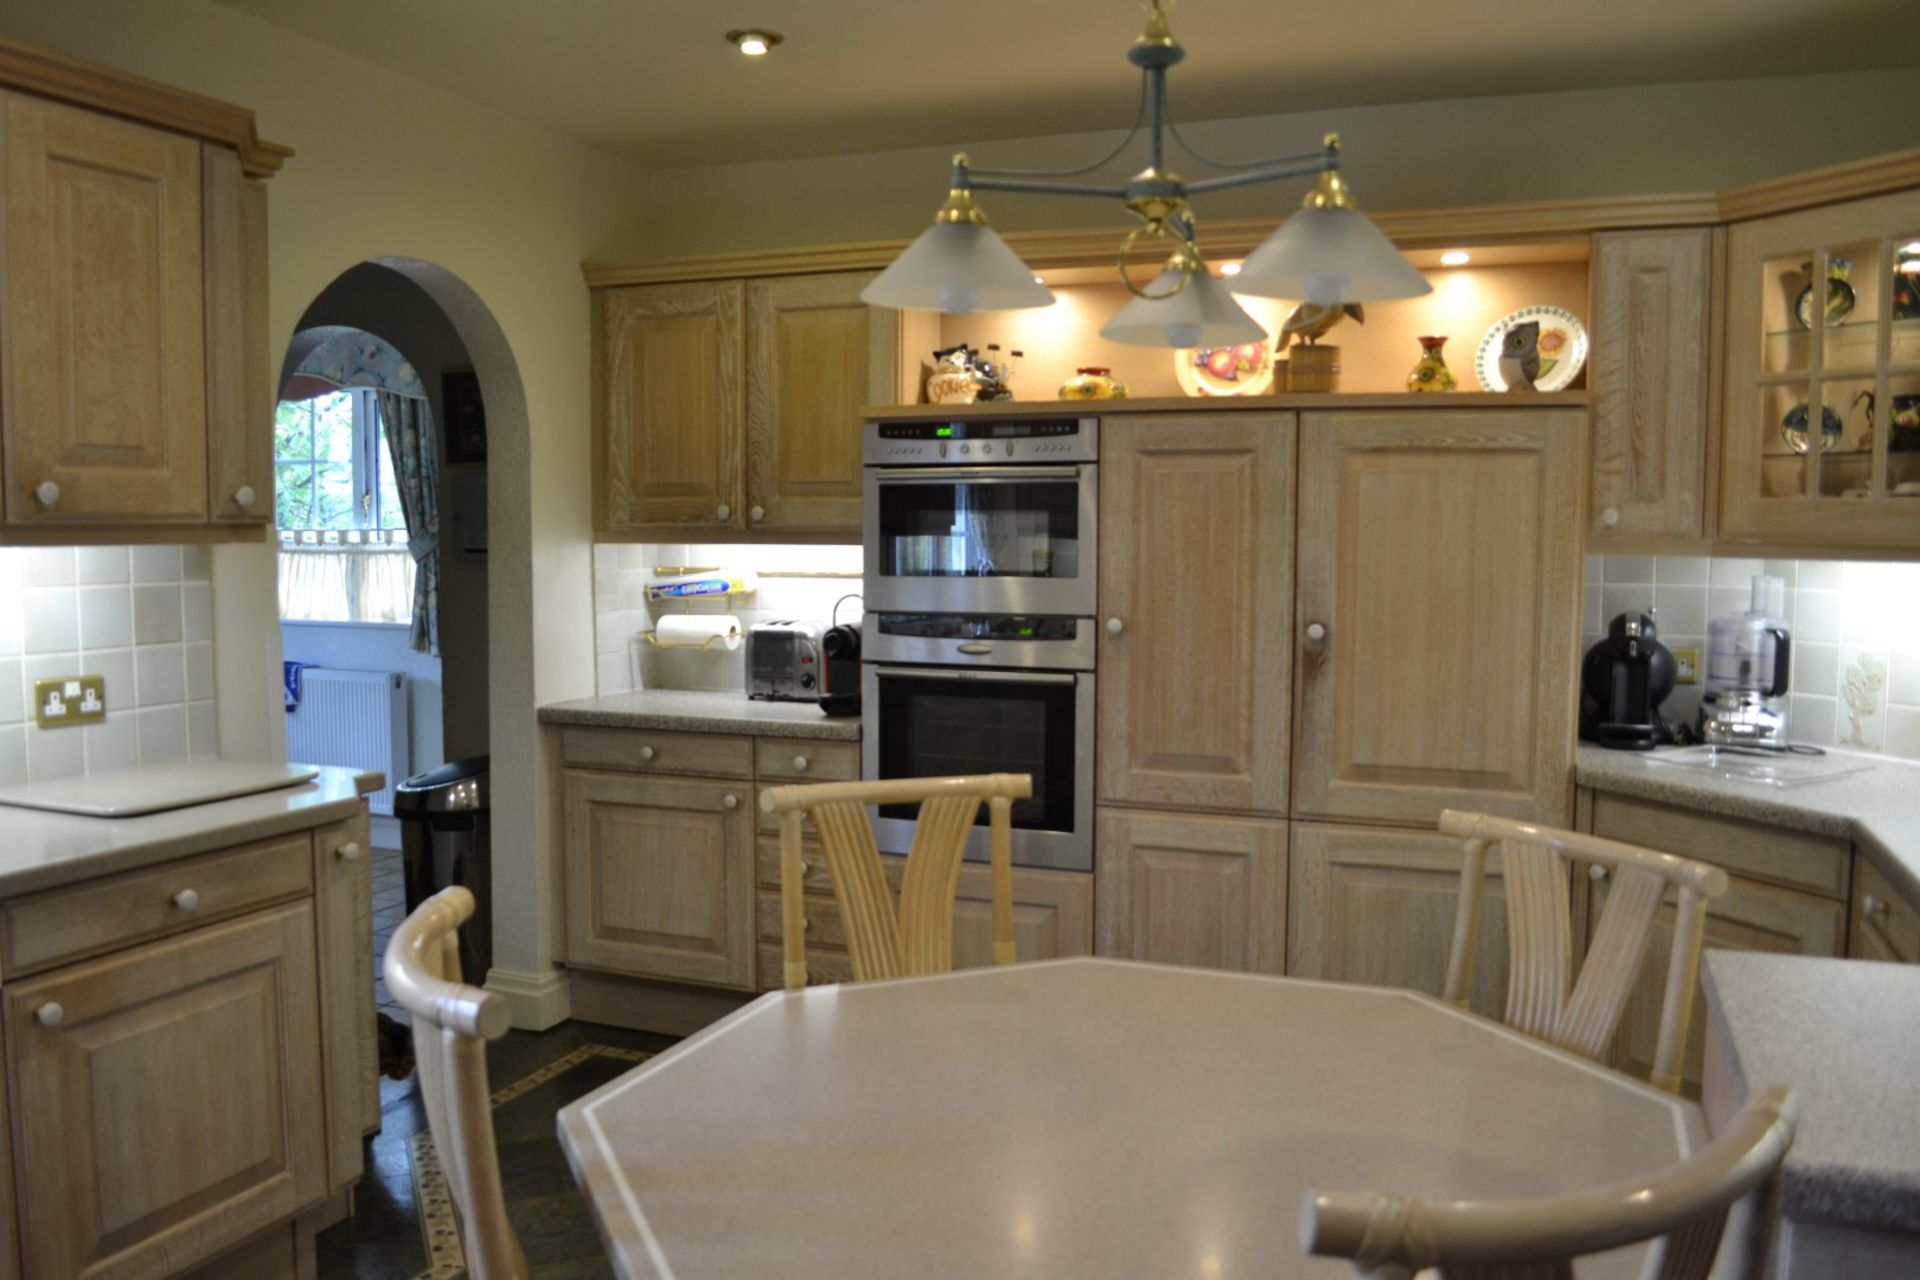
{"x": 1685, "y": 1209}
{"x": 1545, "y": 999}
{"x": 913, "y": 935}
{"x": 452, "y": 1023}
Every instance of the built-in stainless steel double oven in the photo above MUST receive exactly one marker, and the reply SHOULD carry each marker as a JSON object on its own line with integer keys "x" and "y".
{"x": 981, "y": 544}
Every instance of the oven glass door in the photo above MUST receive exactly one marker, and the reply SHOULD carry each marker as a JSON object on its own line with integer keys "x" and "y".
{"x": 929, "y": 722}
{"x": 982, "y": 539}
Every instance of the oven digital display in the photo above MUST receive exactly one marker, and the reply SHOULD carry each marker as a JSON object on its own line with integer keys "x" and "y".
{"x": 1031, "y": 429}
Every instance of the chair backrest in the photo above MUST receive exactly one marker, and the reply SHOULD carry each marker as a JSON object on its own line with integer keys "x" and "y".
{"x": 1685, "y": 1208}
{"x": 451, "y": 1024}
{"x": 1543, "y": 1000}
{"x": 914, "y": 935}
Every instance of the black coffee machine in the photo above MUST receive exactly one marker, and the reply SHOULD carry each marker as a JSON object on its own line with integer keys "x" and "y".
{"x": 1623, "y": 680}
{"x": 840, "y": 678}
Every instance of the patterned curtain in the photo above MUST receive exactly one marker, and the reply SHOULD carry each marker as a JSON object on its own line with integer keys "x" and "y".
{"x": 410, "y": 438}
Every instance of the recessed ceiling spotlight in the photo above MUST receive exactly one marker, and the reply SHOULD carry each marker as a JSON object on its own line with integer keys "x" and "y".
{"x": 1454, "y": 258}
{"x": 753, "y": 42}
{"x": 1229, "y": 268}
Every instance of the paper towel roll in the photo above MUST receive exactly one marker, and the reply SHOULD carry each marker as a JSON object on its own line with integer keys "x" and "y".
{"x": 697, "y": 631}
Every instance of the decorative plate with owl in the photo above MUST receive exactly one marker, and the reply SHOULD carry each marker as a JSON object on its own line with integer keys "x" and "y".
{"x": 1244, "y": 370}
{"x": 1562, "y": 347}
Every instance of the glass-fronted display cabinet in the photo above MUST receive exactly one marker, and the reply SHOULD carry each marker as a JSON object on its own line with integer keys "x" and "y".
{"x": 1822, "y": 410}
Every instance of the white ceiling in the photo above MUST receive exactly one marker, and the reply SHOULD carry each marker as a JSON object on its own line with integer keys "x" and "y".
{"x": 654, "y": 80}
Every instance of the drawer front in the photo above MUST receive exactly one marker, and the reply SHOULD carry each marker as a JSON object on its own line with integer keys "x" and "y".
{"x": 700, "y": 755}
{"x": 1799, "y": 859}
{"x": 1880, "y": 910}
{"x": 766, "y": 866}
{"x": 822, "y": 915}
{"x": 823, "y": 966}
{"x": 45, "y": 929}
{"x": 802, "y": 760}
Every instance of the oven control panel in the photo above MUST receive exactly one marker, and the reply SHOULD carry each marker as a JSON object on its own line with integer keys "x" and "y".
{"x": 976, "y": 626}
{"x": 961, "y": 442}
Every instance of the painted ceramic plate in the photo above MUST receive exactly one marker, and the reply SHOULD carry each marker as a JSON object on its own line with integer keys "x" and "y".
{"x": 1563, "y": 348}
{"x": 1245, "y": 370}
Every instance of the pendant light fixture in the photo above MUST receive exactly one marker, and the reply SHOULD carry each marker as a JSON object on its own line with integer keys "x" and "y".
{"x": 1326, "y": 253}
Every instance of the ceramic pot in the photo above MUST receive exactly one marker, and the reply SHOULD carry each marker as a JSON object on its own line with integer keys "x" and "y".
{"x": 1431, "y": 374}
{"x": 1093, "y": 383}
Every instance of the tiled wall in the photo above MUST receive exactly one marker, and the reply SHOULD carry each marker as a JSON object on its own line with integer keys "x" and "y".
{"x": 1856, "y": 636}
{"x": 140, "y": 616}
{"x": 624, "y": 660}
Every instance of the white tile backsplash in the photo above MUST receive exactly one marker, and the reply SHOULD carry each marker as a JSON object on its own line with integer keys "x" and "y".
{"x": 120, "y": 613}
{"x": 623, "y": 658}
{"x": 1855, "y": 626}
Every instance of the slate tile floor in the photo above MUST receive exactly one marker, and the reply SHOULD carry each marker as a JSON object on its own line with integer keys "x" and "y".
{"x": 383, "y": 1239}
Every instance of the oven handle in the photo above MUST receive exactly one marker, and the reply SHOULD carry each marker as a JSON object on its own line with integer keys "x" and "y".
{"x": 948, "y": 475}
{"x": 997, "y": 676}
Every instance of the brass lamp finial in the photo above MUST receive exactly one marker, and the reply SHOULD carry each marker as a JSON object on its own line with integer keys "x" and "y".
{"x": 960, "y": 208}
{"x": 1330, "y": 192}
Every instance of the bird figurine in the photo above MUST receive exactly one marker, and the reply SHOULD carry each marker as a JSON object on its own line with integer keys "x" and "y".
{"x": 1310, "y": 322}
{"x": 1520, "y": 356}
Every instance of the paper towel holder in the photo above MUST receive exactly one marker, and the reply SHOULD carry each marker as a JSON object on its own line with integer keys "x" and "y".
{"x": 703, "y": 646}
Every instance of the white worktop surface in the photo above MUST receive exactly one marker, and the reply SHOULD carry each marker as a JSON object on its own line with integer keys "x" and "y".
{"x": 1877, "y": 808}
{"x": 41, "y": 849}
{"x": 1082, "y": 1118}
{"x": 1845, "y": 1035}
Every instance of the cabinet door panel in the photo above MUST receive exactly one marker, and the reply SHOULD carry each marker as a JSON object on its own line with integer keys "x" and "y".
{"x": 816, "y": 355}
{"x": 659, "y": 877}
{"x": 105, "y": 377}
{"x": 344, "y": 899}
{"x": 175, "y": 1109}
{"x": 1749, "y": 917}
{"x": 1652, "y": 292}
{"x": 1203, "y": 891}
{"x": 1440, "y": 554}
{"x": 239, "y": 365}
{"x": 1196, "y": 557}
{"x": 667, "y": 430}
{"x": 1378, "y": 906}
{"x": 1885, "y": 925}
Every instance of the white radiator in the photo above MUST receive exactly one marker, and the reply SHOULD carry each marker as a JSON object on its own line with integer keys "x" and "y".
{"x": 353, "y": 718}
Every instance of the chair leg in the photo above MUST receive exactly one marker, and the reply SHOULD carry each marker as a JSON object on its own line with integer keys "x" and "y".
{"x": 793, "y": 920}
{"x": 1000, "y": 851}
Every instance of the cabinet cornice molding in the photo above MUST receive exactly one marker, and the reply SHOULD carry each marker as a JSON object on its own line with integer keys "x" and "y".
{"x": 1873, "y": 176}
{"x": 31, "y": 69}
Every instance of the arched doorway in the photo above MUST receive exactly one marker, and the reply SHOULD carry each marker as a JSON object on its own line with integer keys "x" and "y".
{"x": 441, "y": 326}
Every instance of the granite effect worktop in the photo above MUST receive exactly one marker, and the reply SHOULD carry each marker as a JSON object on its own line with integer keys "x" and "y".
{"x": 1877, "y": 808}
{"x": 43, "y": 850}
{"x": 1845, "y": 1036}
{"x": 701, "y": 711}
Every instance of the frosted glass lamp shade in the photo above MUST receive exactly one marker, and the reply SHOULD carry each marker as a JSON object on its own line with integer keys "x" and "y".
{"x": 957, "y": 267}
{"x": 1202, "y": 314}
{"x": 1329, "y": 257}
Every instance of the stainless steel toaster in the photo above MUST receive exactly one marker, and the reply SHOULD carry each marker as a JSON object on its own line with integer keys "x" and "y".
{"x": 783, "y": 660}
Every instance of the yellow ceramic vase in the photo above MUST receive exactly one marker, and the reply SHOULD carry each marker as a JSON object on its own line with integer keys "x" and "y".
{"x": 1431, "y": 374}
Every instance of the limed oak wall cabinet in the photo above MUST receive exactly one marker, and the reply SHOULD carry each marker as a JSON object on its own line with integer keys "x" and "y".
{"x": 1823, "y": 350}
{"x": 728, "y": 409}
{"x": 1651, "y": 377}
{"x": 135, "y": 380}
{"x": 188, "y": 1044}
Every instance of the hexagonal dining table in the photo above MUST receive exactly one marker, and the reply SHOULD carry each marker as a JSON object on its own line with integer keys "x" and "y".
{"x": 1082, "y": 1118}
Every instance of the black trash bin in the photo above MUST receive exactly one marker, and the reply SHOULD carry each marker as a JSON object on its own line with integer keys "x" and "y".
{"x": 446, "y": 839}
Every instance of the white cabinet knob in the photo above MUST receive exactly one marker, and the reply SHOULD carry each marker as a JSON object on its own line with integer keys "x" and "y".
{"x": 186, "y": 900}
{"x": 49, "y": 1014}
{"x": 1115, "y": 626}
{"x": 46, "y": 493}
{"x": 799, "y": 764}
{"x": 1316, "y": 634}
{"x": 1872, "y": 906}
{"x": 348, "y": 852}
{"x": 730, "y": 802}
{"x": 243, "y": 497}
{"x": 1596, "y": 873}
{"x": 646, "y": 753}
{"x": 722, "y": 511}
{"x": 1610, "y": 517}
{"x": 756, "y": 514}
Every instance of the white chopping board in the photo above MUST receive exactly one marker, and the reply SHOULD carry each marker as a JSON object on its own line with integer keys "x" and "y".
{"x": 127, "y": 793}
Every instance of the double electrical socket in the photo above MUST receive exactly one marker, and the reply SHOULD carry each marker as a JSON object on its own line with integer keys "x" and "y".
{"x": 66, "y": 700}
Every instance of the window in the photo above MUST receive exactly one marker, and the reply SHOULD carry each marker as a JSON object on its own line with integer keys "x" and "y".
{"x": 332, "y": 464}
{"x": 343, "y": 534}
